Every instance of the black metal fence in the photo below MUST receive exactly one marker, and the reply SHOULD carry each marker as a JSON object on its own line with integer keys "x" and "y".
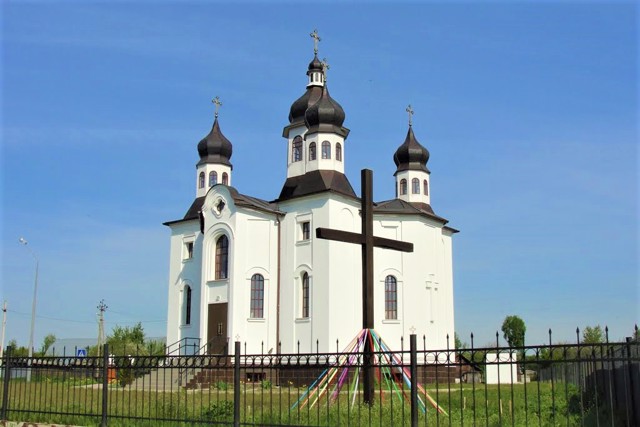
{"x": 568, "y": 385}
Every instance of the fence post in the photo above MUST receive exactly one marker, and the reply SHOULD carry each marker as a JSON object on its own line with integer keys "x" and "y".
{"x": 634, "y": 414}
{"x": 413, "y": 348}
{"x": 236, "y": 386}
{"x": 5, "y": 383}
{"x": 105, "y": 384}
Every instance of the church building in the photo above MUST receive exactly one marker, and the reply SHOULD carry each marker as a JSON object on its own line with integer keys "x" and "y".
{"x": 252, "y": 270}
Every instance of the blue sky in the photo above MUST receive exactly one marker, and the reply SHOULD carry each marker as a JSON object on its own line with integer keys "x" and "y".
{"x": 529, "y": 111}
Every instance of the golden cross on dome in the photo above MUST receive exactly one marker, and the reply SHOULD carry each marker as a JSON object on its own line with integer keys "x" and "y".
{"x": 217, "y": 103}
{"x": 316, "y": 38}
{"x": 410, "y": 111}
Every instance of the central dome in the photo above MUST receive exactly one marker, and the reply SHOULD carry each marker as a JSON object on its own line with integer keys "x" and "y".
{"x": 326, "y": 115}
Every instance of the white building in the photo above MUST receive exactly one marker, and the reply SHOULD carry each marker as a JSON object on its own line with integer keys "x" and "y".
{"x": 252, "y": 270}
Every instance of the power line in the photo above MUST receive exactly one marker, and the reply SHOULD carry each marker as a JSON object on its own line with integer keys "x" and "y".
{"x": 85, "y": 321}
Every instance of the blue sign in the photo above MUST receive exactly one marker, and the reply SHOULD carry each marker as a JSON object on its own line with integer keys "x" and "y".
{"x": 81, "y": 352}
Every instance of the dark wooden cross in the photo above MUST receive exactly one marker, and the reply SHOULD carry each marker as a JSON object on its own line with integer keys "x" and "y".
{"x": 368, "y": 241}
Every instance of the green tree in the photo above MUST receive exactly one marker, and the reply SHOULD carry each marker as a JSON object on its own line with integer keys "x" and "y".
{"x": 125, "y": 340}
{"x": 46, "y": 343}
{"x": 156, "y": 347}
{"x": 513, "y": 329}
{"x": 593, "y": 335}
{"x": 17, "y": 351}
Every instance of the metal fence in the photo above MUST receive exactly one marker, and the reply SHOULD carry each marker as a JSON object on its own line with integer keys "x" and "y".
{"x": 572, "y": 384}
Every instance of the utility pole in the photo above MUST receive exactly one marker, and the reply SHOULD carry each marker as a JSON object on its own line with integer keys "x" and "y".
{"x": 23, "y": 241}
{"x": 102, "y": 307}
{"x": 4, "y": 327}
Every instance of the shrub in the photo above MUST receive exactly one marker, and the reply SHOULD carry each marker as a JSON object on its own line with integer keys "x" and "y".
{"x": 221, "y": 385}
{"x": 218, "y": 411}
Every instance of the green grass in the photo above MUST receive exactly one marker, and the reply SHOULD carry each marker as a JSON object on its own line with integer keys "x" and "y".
{"x": 490, "y": 405}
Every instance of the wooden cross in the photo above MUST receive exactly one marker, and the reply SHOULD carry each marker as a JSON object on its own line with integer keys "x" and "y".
{"x": 217, "y": 103}
{"x": 410, "y": 111}
{"x": 316, "y": 39}
{"x": 368, "y": 241}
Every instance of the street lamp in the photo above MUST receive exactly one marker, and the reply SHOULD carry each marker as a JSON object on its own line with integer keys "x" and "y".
{"x": 33, "y": 305}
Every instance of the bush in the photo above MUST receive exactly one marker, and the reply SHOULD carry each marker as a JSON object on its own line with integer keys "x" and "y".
{"x": 218, "y": 411}
{"x": 221, "y": 385}
{"x": 266, "y": 384}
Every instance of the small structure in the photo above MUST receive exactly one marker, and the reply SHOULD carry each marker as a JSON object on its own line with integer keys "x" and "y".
{"x": 470, "y": 372}
{"x": 502, "y": 368}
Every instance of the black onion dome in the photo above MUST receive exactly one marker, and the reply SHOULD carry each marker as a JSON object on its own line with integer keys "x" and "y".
{"x": 299, "y": 107}
{"x": 411, "y": 155}
{"x": 215, "y": 147}
{"x": 315, "y": 65}
{"x": 326, "y": 115}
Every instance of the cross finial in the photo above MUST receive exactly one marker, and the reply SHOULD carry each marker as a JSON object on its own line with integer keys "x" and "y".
{"x": 410, "y": 111}
{"x": 316, "y": 38}
{"x": 325, "y": 67}
{"x": 217, "y": 103}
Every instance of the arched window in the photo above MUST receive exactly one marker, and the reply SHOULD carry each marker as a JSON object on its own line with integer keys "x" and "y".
{"x": 426, "y": 187}
{"x": 201, "y": 180}
{"x": 326, "y": 150}
{"x": 415, "y": 186}
{"x": 222, "y": 257}
{"x": 257, "y": 296}
{"x": 312, "y": 151}
{"x": 296, "y": 149}
{"x": 403, "y": 187}
{"x": 390, "y": 298}
{"x": 225, "y": 178}
{"x": 338, "y": 152}
{"x": 213, "y": 178}
{"x": 305, "y": 295}
{"x": 187, "y": 304}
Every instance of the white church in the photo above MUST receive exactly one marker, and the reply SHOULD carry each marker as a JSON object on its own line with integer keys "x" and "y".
{"x": 250, "y": 270}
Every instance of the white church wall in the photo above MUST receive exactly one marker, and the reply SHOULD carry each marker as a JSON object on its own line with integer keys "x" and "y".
{"x": 388, "y": 262}
{"x": 342, "y": 311}
{"x": 256, "y": 240}
{"x": 183, "y": 271}
{"x": 297, "y": 257}
{"x": 424, "y": 282}
{"x": 326, "y": 284}
{"x": 252, "y": 250}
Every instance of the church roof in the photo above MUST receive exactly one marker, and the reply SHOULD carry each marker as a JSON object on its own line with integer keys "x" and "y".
{"x": 400, "y": 207}
{"x": 241, "y": 200}
{"x": 316, "y": 181}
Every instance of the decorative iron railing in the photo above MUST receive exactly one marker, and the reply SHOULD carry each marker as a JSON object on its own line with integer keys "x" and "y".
{"x": 569, "y": 384}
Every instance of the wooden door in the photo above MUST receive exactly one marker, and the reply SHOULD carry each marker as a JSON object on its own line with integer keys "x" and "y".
{"x": 217, "y": 329}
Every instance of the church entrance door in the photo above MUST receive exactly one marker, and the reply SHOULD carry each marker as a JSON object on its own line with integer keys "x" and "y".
{"x": 217, "y": 329}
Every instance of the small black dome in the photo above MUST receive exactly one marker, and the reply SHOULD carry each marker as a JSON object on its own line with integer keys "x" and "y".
{"x": 215, "y": 147}
{"x": 411, "y": 155}
{"x": 315, "y": 65}
{"x": 325, "y": 115}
